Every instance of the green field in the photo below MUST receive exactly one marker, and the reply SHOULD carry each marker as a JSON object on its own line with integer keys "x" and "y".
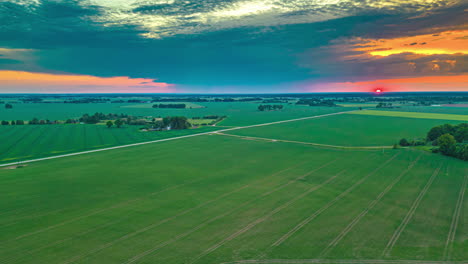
{"x": 31, "y": 141}
{"x": 413, "y": 115}
{"x": 347, "y": 130}
{"x": 216, "y": 199}
{"x": 246, "y": 195}
{"x": 35, "y": 141}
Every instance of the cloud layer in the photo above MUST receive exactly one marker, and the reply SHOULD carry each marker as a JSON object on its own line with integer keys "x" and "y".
{"x": 235, "y": 45}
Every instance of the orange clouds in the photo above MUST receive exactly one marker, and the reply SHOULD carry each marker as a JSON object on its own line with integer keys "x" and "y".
{"x": 20, "y": 81}
{"x": 457, "y": 83}
{"x": 448, "y": 42}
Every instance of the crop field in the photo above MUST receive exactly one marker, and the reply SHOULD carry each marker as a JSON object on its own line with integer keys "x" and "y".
{"x": 413, "y": 115}
{"x": 347, "y": 130}
{"x": 35, "y": 141}
{"x": 238, "y": 113}
{"x": 216, "y": 199}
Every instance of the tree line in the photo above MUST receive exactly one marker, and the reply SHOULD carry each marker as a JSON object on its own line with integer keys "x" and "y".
{"x": 316, "y": 102}
{"x": 450, "y": 140}
{"x": 270, "y": 107}
{"x": 169, "y": 106}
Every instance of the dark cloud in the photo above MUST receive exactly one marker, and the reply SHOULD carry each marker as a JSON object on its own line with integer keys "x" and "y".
{"x": 67, "y": 37}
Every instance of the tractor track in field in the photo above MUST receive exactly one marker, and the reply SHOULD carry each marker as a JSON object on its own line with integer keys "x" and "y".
{"x": 455, "y": 220}
{"x": 193, "y": 208}
{"x": 263, "y": 218}
{"x": 38, "y": 249}
{"x": 396, "y": 235}
{"x": 306, "y": 143}
{"x": 358, "y": 218}
{"x": 166, "y": 189}
{"x": 339, "y": 261}
{"x": 167, "y": 139}
{"x": 146, "y": 228}
{"x": 118, "y": 205}
{"x": 213, "y": 219}
{"x": 329, "y": 204}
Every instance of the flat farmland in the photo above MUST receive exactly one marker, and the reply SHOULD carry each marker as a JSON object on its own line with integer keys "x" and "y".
{"x": 35, "y": 141}
{"x": 440, "y": 116}
{"x": 216, "y": 199}
{"x": 347, "y": 130}
{"x": 238, "y": 113}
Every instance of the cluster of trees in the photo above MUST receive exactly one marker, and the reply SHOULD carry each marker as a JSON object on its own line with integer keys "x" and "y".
{"x": 8, "y": 106}
{"x": 450, "y": 140}
{"x": 384, "y": 105}
{"x": 17, "y": 122}
{"x": 36, "y": 121}
{"x": 316, "y": 102}
{"x": 270, "y": 107}
{"x": 97, "y": 117}
{"x": 170, "y": 122}
{"x": 169, "y": 106}
{"x": 89, "y": 100}
{"x": 118, "y": 123}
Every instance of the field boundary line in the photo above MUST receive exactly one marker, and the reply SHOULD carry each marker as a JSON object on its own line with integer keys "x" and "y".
{"x": 409, "y": 215}
{"x": 263, "y": 218}
{"x": 455, "y": 218}
{"x": 169, "y": 139}
{"x": 358, "y": 218}
{"x": 191, "y": 209}
{"x": 329, "y": 204}
{"x": 339, "y": 261}
{"x": 305, "y": 143}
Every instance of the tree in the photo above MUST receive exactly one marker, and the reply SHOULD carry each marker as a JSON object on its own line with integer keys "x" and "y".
{"x": 404, "y": 142}
{"x": 8, "y": 106}
{"x": 5, "y": 123}
{"x": 109, "y": 124}
{"x": 19, "y": 122}
{"x": 461, "y": 134}
{"x": 13, "y": 123}
{"x": 119, "y": 123}
{"x": 447, "y": 144}
{"x": 435, "y": 132}
{"x": 34, "y": 121}
{"x": 462, "y": 152}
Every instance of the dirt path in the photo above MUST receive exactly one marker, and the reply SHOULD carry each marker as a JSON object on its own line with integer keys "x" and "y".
{"x": 305, "y": 143}
{"x": 340, "y": 261}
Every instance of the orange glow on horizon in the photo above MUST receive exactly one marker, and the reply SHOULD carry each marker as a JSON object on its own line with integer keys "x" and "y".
{"x": 14, "y": 80}
{"x": 457, "y": 83}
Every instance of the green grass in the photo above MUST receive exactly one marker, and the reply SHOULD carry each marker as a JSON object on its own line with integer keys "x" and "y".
{"x": 413, "y": 115}
{"x": 213, "y": 199}
{"x": 347, "y": 130}
{"x": 35, "y": 141}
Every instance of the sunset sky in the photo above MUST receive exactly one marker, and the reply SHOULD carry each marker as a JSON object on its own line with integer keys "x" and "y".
{"x": 232, "y": 46}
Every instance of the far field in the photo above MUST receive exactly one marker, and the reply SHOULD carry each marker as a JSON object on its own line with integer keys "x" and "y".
{"x": 348, "y": 130}
{"x": 413, "y": 115}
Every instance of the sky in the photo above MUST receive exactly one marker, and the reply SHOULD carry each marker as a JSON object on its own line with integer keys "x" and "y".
{"x": 232, "y": 46}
